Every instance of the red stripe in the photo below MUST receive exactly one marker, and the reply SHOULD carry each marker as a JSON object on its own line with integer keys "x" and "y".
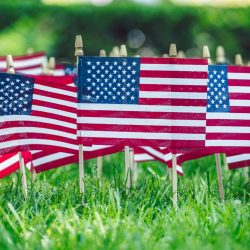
{"x": 57, "y": 79}
{"x": 239, "y": 96}
{"x": 240, "y": 164}
{"x": 36, "y": 124}
{"x": 142, "y": 128}
{"x": 235, "y": 82}
{"x": 54, "y": 95}
{"x": 173, "y": 88}
{"x": 222, "y": 122}
{"x": 173, "y": 74}
{"x": 194, "y": 61}
{"x": 174, "y": 145}
{"x": 24, "y": 57}
{"x": 52, "y": 138}
{"x": 54, "y": 106}
{"x": 173, "y": 102}
{"x": 235, "y": 109}
{"x": 238, "y": 69}
{"x": 9, "y": 170}
{"x": 144, "y": 115}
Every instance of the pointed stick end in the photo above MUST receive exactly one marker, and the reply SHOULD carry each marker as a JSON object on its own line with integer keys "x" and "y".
{"x": 78, "y": 46}
{"x": 238, "y": 60}
{"x": 123, "y": 50}
{"x": 103, "y": 53}
{"x": 172, "y": 50}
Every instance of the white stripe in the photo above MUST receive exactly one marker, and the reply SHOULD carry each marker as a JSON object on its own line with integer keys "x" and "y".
{"x": 227, "y": 129}
{"x": 173, "y": 81}
{"x": 174, "y": 67}
{"x": 21, "y": 142}
{"x": 55, "y": 90}
{"x": 238, "y": 158}
{"x": 179, "y": 169}
{"x": 239, "y": 89}
{"x": 238, "y": 76}
{"x": 50, "y": 158}
{"x": 143, "y": 157}
{"x": 26, "y": 62}
{"x": 228, "y": 116}
{"x": 240, "y": 103}
{"x": 230, "y": 143}
{"x": 54, "y": 100}
{"x": 141, "y": 108}
{"x": 142, "y": 135}
{"x": 59, "y": 72}
{"x": 21, "y": 118}
{"x": 54, "y": 111}
{"x": 7, "y": 163}
{"x": 154, "y": 152}
{"x": 138, "y": 121}
{"x": 173, "y": 95}
{"x": 44, "y": 131}
{"x": 33, "y": 71}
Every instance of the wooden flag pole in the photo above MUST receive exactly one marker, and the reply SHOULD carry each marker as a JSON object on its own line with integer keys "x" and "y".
{"x": 103, "y": 53}
{"x": 123, "y": 53}
{"x": 30, "y": 51}
{"x": 127, "y": 169}
{"x": 79, "y": 52}
{"x": 11, "y": 70}
{"x": 239, "y": 62}
{"x": 133, "y": 167}
{"x": 220, "y": 58}
{"x": 173, "y": 53}
{"x": 51, "y": 66}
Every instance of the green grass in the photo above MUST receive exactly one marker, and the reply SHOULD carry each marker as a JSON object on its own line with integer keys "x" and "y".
{"x": 53, "y": 216}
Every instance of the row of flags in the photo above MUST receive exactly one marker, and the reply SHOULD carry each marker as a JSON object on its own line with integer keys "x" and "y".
{"x": 183, "y": 105}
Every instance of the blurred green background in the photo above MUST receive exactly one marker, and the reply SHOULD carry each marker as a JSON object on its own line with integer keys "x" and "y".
{"x": 146, "y": 26}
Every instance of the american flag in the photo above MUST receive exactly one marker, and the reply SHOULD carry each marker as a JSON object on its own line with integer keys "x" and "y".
{"x": 9, "y": 163}
{"x": 26, "y": 64}
{"x": 36, "y": 115}
{"x": 228, "y": 109}
{"x": 142, "y": 101}
{"x": 238, "y": 160}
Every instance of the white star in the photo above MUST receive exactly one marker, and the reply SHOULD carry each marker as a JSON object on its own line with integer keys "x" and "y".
{"x": 132, "y": 98}
{"x": 123, "y": 97}
{"x": 133, "y": 63}
{"x": 123, "y": 89}
{"x": 98, "y": 62}
{"x": 224, "y": 106}
{"x": 88, "y": 62}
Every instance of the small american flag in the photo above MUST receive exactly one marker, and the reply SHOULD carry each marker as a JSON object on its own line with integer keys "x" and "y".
{"x": 140, "y": 102}
{"x": 228, "y": 108}
{"x": 36, "y": 115}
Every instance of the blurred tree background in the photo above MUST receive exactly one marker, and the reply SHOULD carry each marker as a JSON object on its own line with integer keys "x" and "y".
{"x": 146, "y": 29}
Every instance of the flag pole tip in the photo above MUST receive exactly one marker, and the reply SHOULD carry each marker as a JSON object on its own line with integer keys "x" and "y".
{"x": 123, "y": 50}
{"x": 103, "y": 53}
{"x": 238, "y": 60}
{"x": 78, "y": 46}
{"x": 172, "y": 50}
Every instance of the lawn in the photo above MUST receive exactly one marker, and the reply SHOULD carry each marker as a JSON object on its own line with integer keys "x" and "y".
{"x": 53, "y": 216}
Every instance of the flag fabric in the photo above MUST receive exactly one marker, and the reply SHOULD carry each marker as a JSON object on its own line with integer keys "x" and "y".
{"x": 9, "y": 163}
{"x": 36, "y": 115}
{"x": 228, "y": 109}
{"x": 26, "y": 64}
{"x": 238, "y": 160}
{"x": 142, "y": 102}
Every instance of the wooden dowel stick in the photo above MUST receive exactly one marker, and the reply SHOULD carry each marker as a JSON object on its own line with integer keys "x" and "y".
{"x": 81, "y": 169}
{"x": 133, "y": 166}
{"x": 225, "y": 161}
{"x": 127, "y": 169}
{"x": 99, "y": 167}
{"x": 79, "y": 52}
{"x": 23, "y": 174}
{"x": 219, "y": 174}
{"x": 245, "y": 174}
{"x": 173, "y": 53}
{"x": 174, "y": 181}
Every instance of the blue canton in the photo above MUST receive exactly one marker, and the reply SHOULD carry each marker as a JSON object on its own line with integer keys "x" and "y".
{"x": 109, "y": 80}
{"x": 217, "y": 89}
{"x": 15, "y": 94}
